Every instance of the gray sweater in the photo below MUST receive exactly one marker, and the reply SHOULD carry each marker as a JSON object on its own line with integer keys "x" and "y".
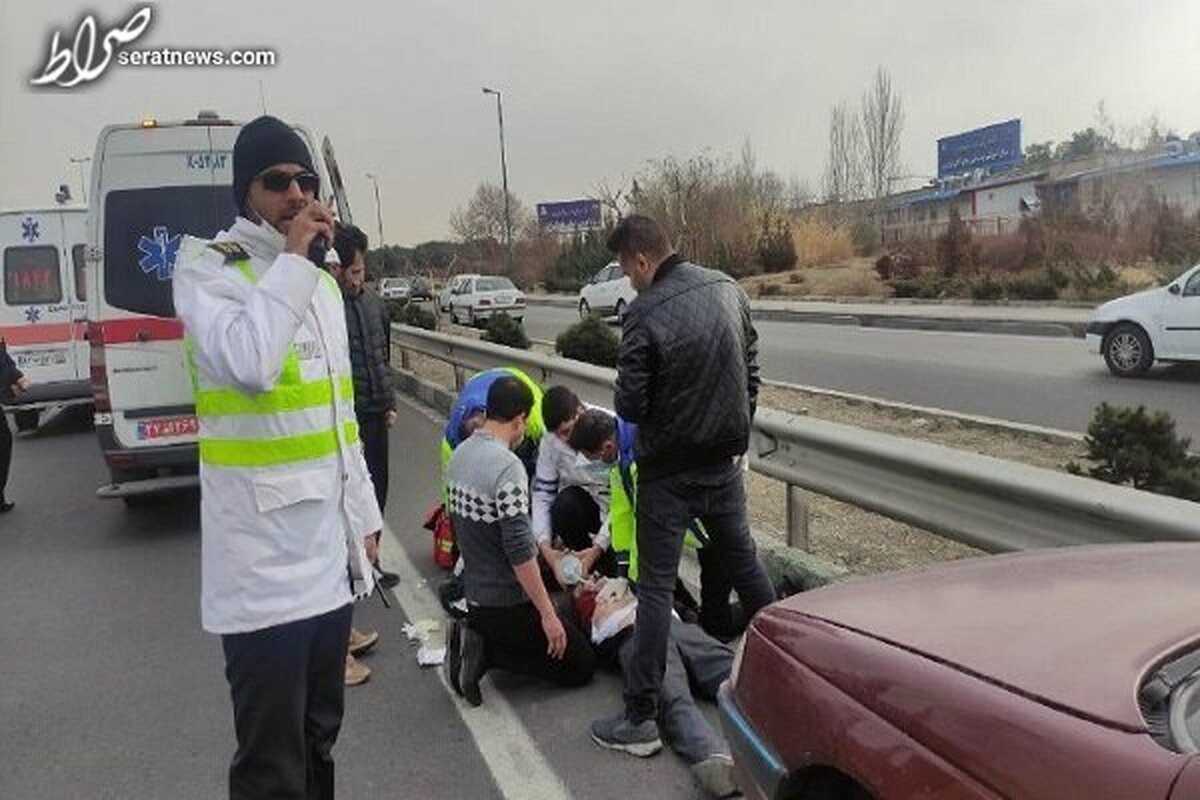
{"x": 488, "y": 500}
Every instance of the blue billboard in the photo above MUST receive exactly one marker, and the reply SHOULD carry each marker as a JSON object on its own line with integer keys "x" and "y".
{"x": 992, "y": 148}
{"x": 569, "y": 214}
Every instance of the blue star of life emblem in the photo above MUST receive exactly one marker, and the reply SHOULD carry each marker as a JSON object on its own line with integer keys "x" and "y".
{"x": 33, "y": 314}
{"x": 159, "y": 252}
{"x": 29, "y": 230}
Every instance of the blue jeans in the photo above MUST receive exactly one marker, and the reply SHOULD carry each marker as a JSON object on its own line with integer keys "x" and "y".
{"x": 717, "y": 497}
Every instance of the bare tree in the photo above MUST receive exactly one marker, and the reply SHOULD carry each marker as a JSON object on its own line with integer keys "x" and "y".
{"x": 483, "y": 216}
{"x": 613, "y": 202}
{"x": 882, "y": 124}
{"x": 843, "y": 169}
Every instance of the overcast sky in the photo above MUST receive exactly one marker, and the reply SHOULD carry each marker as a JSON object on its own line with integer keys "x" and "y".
{"x": 593, "y": 91}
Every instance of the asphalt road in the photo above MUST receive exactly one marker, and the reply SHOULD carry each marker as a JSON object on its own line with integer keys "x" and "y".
{"x": 1052, "y": 382}
{"x": 110, "y": 689}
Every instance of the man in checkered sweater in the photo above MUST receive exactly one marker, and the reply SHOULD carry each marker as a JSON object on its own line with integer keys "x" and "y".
{"x": 511, "y": 623}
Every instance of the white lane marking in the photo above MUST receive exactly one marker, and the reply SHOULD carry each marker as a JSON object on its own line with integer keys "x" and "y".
{"x": 512, "y": 756}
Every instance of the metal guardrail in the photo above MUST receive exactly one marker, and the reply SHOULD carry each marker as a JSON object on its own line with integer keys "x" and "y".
{"x": 985, "y": 502}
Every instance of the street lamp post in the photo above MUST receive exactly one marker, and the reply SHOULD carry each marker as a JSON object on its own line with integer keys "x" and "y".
{"x": 503, "y": 173}
{"x": 378, "y": 207}
{"x": 82, "y": 183}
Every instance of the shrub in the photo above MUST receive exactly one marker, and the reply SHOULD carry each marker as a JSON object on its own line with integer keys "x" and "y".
{"x": 987, "y": 288}
{"x": 411, "y": 314}
{"x": 776, "y": 250}
{"x": 503, "y": 329}
{"x": 902, "y": 265}
{"x": 589, "y": 340}
{"x": 1007, "y": 252}
{"x": 1033, "y": 286}
{"x": 576, "y": 265}
{"x": 924, "y": 287}
{"x": 769, "y": 289}
{"x": 1131, "y": 447}
{"x": 865, "y": 237}
{"x": 955, "y": 249}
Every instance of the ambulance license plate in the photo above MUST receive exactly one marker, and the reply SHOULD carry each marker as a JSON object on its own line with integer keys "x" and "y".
{"x": 166, "y": 427}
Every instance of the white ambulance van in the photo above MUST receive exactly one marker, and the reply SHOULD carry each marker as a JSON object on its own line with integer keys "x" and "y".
{"x": 153, "y": 183}
{"x": 43, "y": 316}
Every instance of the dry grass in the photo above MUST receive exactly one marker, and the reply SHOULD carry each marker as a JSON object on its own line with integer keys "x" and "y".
{"x": 819, "y": 242}
{"x": 853, "y": 277}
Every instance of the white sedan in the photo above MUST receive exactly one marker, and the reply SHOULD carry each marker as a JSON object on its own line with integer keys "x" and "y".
{"x": 478, "y": 297}
{"x": 608, "y": 293}
{"x": 1160, "y": 324}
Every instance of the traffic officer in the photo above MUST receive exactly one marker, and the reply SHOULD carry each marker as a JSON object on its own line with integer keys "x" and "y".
{"x": 288, "y": 512}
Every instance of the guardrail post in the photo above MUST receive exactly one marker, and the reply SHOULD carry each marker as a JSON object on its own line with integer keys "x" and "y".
{"x": 797, "y": 517}
{"x": 404, "y": 360}
{"x": 460, "y": 378}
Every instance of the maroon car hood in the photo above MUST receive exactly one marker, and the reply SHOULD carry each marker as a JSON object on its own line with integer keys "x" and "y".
{"x": 1072, "y": 627}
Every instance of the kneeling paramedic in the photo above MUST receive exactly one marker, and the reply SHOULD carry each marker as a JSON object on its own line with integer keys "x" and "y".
{"x": 288, "y": 512}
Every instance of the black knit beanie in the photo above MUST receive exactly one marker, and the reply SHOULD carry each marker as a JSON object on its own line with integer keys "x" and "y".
{"x": 263, "y": 143}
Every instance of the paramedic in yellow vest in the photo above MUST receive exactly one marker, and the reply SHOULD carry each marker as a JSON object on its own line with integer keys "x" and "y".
{"x": 601, "y": 436}
{"x": 288, "y": 512}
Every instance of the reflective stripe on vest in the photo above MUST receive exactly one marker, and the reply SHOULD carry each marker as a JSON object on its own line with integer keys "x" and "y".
{"x": 236, "y": 414}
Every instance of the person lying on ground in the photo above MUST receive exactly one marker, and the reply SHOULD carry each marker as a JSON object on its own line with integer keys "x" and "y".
{"x": 697, "y": 664}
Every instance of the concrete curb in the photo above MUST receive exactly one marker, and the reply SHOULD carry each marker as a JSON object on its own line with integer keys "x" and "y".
{"x": 949, "y": 324}
{"x": 811, "y": 571}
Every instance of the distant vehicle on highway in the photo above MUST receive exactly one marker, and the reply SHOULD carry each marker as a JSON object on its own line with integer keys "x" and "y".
{"x": 42, "y": 309}
{"x": 607, "y": 294}
{"x": 419, "y": 289}
{"x": 394, "y": 289}
{"x": 1160, "y": 324}
{"x": 1062, "y": 673}
{"x": 477, "y": 298}
{"x": 451, "y": 284}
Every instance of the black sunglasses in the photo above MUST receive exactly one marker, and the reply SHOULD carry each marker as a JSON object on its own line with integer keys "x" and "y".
{"x": 279, "y": 181}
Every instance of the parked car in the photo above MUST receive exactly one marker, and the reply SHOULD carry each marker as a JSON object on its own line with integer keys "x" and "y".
{"x": 1060, "y": 673}
{"x": 394, "y": 289}
{"x": 451, "y": 283}
{"x": 607, "y": 294}
{"x": 477, "y": 298}
{"x": 1162, "y": 324}
{"x": 419, "y": 289}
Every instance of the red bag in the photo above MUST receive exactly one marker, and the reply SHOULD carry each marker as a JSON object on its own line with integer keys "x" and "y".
{"x": 445, "y": 549}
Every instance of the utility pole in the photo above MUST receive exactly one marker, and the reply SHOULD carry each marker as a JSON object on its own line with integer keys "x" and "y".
{"x": 379, "y": 222}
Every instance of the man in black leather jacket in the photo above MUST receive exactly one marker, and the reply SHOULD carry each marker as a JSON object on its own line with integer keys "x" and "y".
{"x": 13, "y": 384}
{"x": 687, "y": 374}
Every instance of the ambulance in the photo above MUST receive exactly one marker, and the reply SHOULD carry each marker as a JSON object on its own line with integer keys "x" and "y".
{"x": 153, "y": 183}
{"x": 43, "y": 315}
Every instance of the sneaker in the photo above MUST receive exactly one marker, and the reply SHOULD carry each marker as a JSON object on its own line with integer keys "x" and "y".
{"x": 356, "y": 671}
{"x": 715, "y": 775}
{"x": 473, "y": 665}
{"x": 362, "y": 641}
{"x": 452, "y": 664}
{"x": 6, "y": 506}
{"x": 618, "y": 733}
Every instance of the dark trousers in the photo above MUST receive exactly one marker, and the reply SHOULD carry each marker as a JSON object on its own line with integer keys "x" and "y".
{"x": 716, "y": 496}
{"x": 287, "y": 688}
{"x": 373, "y": 431}
{"x": 695, "y": 667}
{"x": 514, "y": 642}
{"x": 6, "y": 443}
{"x": 575, "y": 517}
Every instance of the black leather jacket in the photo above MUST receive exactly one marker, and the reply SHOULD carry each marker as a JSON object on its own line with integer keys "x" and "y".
{"x": 687, "y": 372}
{"x": 370, "y": 347}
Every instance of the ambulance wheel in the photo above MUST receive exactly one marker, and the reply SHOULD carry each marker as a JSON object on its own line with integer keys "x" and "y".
{"x": 27, "y": 420}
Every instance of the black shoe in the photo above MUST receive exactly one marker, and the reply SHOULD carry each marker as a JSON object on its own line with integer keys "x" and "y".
{"x": 473, "y": 665}
{"x": 452, "y": 665}
{"x": 6, "y": 506}
{"x": 618, "y": 733}
{"x": 386, "y": 580}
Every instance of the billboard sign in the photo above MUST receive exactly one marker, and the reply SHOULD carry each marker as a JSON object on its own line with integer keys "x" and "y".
{"x": 991, "y": 148}
{"x": 569, "y": 214}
